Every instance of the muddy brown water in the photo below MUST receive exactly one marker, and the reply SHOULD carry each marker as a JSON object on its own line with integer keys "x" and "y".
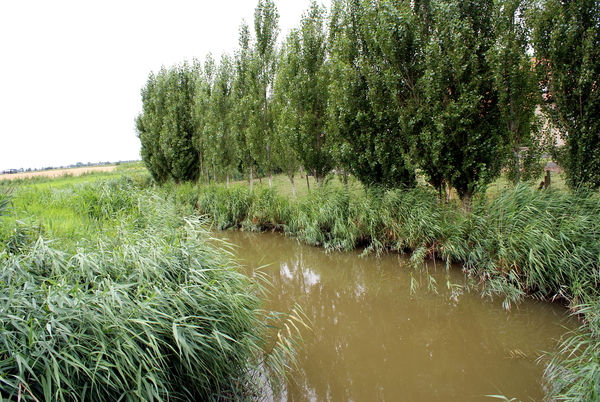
{"x": 374, "y": 340}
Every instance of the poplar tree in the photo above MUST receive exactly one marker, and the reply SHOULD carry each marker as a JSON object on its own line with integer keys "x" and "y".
{"x": 372, "y": 143}
{"x": 241, "y": 110}
{"x": 166, "y": 125}
{"x": 148, "y": 126}
{"x": 567, "y": 45}
{"x": 463, "y": 138}
{"x": 517, "y": 87}
{"x": 222, "y": 146}
{"x": 262, "y": 73}
{"x": 302, "y": 89}
{"x": 202, "y": 104}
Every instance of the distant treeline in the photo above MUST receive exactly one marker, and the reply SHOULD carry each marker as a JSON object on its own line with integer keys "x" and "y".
{"x": 381, "y": 89}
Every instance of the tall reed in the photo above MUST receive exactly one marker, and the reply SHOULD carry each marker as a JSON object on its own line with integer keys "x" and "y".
{"x": 573, "y": 373}
{"x": 5, "y": 200}
{"x": 140, "y": 310}
{"x": 541, "y": 243}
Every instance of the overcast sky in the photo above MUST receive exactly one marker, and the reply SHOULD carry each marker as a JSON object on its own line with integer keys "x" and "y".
{"x": 71, "y": 71}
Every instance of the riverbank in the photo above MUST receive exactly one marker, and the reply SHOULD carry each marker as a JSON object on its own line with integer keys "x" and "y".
{"x": 521, "y": 243}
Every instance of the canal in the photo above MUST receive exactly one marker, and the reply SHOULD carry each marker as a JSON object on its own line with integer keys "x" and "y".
{"x": 375, "y": 339}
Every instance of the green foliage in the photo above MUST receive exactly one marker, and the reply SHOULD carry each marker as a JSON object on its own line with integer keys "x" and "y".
{"x": 226, "y": 207}
{"x": 148, "y": 316}
{"x": 241, "y": 95}
{"x": 222, "y": 148}
{"x": 573, "y": 374}
{"x": 567, "y": 35}
{"x": 381, "y": 89}
{"x": 415, "y": 219}
{"x": 5, "y": 200}
{"x": 106, "y": 201}
{"x": 166, "y": 126}
{"x": 260, "y": 131}
{"x": 324, "y": 219}
{"x": 267, "y": 211}
{"x": 302, "y": 89}
{"x": 517, "y": 87}
{"x": 528, "y": 241}
{"x": 463, "y": 140}
{"x": 363, "y": 109}
{"x": 139, "y": 304}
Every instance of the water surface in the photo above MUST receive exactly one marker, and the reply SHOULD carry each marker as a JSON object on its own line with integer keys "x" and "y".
{"x": 374, "y": 340}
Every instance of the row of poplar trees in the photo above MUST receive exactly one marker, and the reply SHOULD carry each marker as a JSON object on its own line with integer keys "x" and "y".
{"x": 382, "y": 89}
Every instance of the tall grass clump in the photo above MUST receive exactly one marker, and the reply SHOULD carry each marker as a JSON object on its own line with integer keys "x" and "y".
{"x": 415, "y": 220}
{"x": 106, "y": 200}
{"x": 267, "y": 211}
{"x": 141, "y": 310}
{"x": 325, "y": 219}
{"x": 144, "y": 317}
{"x": 227, "y": 207}
{"x": 573, "y": 374}
{"x": 335, "y": 217}
{"x": 5, "y": 200}
{"x": 529, "y": 242}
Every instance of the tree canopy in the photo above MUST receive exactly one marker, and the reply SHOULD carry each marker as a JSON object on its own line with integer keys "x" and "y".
{"x": 388, "y": 91}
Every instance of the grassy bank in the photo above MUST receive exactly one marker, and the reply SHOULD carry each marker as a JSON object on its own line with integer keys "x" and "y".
{"x": 109, "y": 293}
{"x": 519, "y": 242}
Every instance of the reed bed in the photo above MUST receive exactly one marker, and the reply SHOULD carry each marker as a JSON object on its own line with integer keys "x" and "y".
{"x": 529, "y": 242}
{"x": 573, "y": 374}
{"x": 145, "y": 307}
{"x": 523, "y": 242}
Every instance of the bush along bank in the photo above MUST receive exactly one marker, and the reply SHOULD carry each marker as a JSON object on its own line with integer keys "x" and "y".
{"x": 525, "y": 242}
{"x": 147, "y": 308}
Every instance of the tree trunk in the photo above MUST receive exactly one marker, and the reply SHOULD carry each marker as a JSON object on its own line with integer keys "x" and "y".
{"x": 517, "y": 165}
{"x": 251, "y": 179}
{"x": 227, "y": 179}
{"x": 270, "y": 168}
{"x": 293, "y": 186}
{"x": 307, "y": 183}
{"x": 318, "y": 179}
{"x": 466, "y": 201}
{"x": 201, "y": 165}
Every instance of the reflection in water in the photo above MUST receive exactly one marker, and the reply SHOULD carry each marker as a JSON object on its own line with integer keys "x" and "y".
{"x": 374, "y": 341}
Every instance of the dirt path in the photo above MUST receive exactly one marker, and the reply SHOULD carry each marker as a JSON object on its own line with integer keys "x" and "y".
{"x": 57, "y": 172}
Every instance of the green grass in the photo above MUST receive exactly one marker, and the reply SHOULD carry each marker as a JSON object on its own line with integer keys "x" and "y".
{"x": 129, "y": 301}
{"x": 148, "y": 316}
{"x": 573, "y": 374}
{"x": 515, "y": 242}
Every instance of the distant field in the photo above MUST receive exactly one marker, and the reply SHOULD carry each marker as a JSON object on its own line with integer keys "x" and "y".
{"x": 58, "y": 172}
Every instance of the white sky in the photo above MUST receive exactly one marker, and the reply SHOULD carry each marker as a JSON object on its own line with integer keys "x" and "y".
{"x": 71, "y": 71}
